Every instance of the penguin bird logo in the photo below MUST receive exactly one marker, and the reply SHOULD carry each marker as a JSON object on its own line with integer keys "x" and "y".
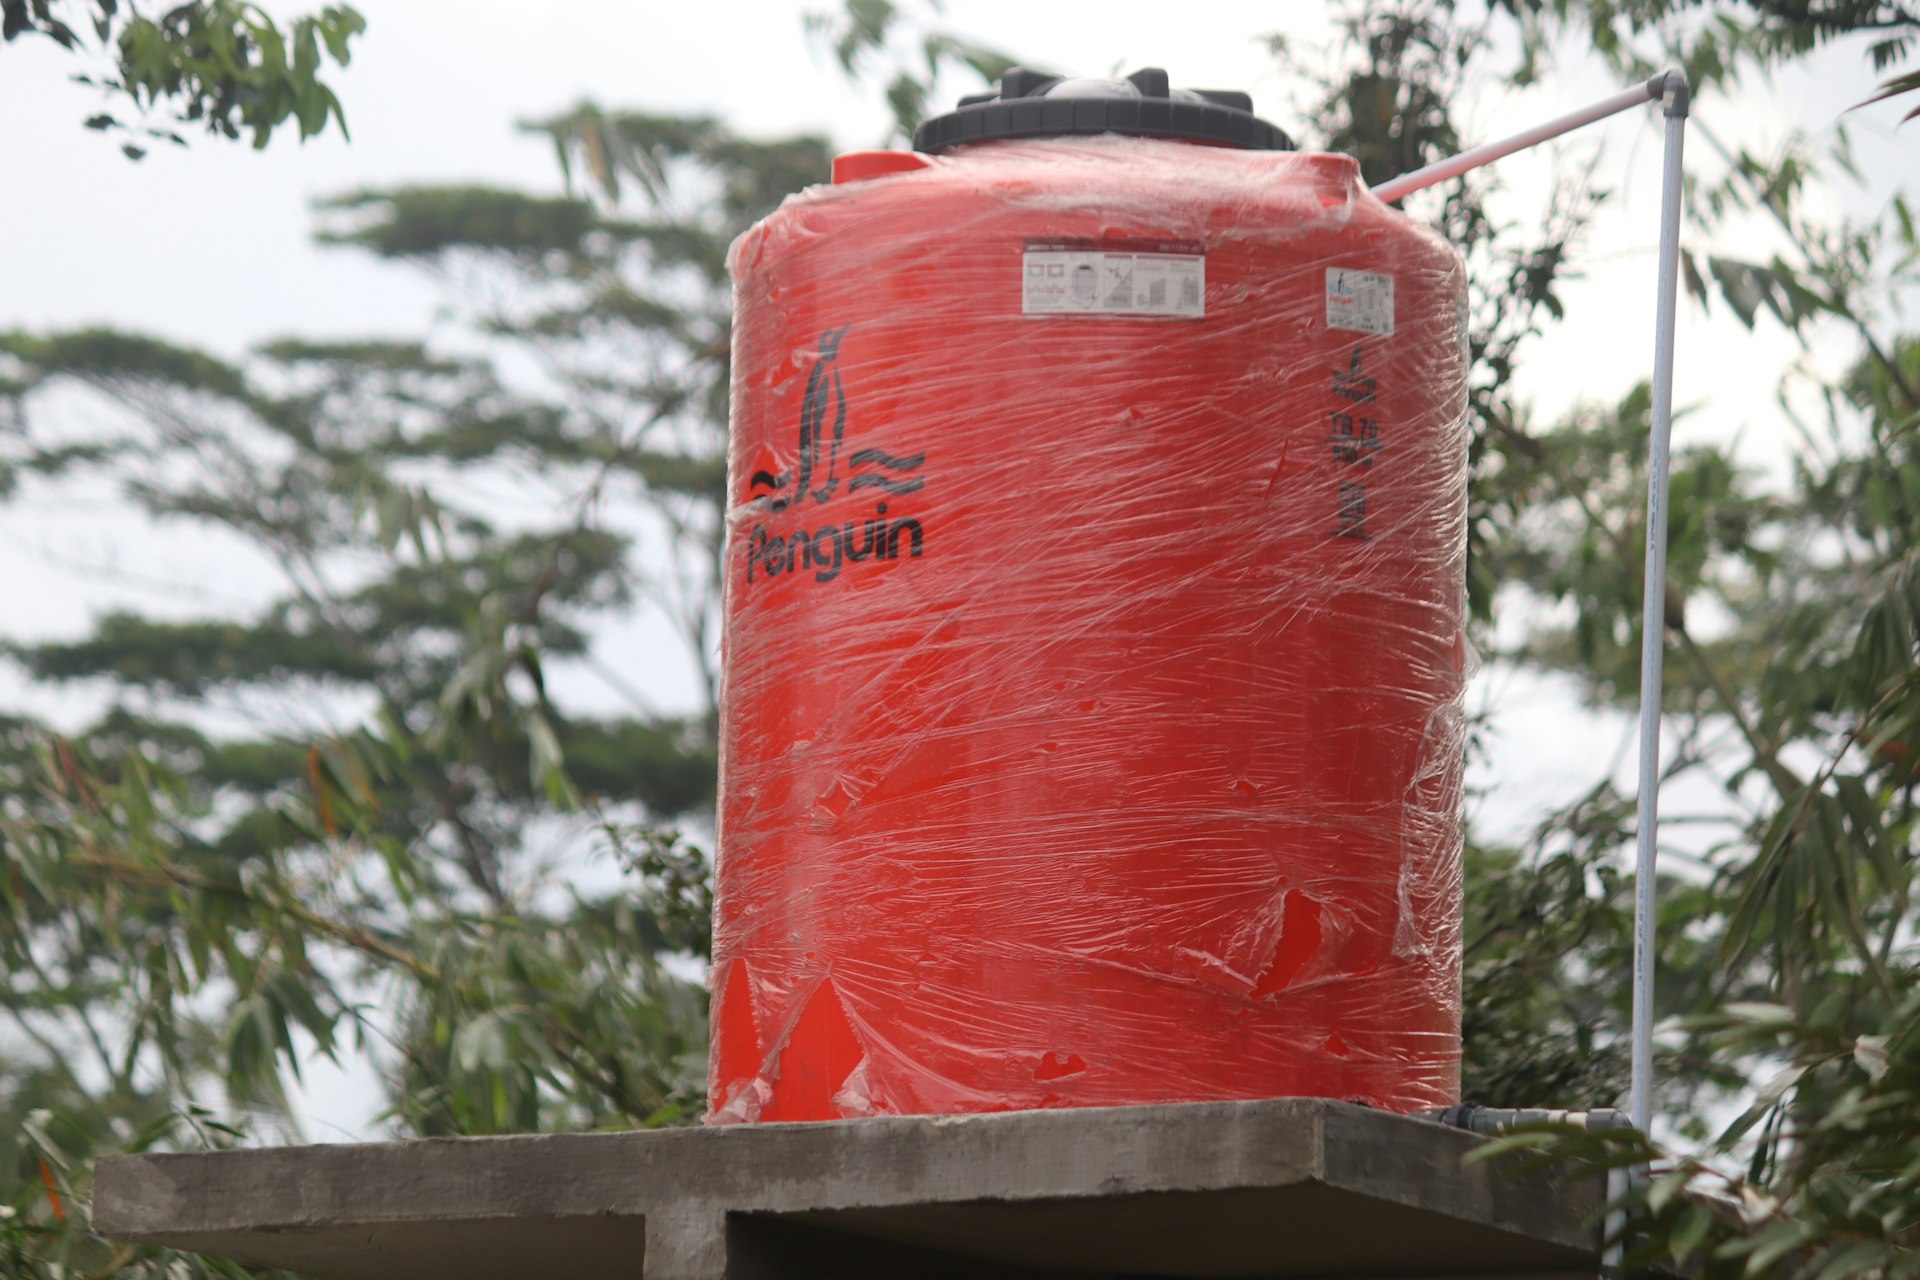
{"x": 826, "y": 398}
{"x": 823, "y": 428}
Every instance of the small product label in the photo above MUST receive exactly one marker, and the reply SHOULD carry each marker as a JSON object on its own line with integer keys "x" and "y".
{"x": 1114, "y": 278}
{"x": 1361, "y": 301}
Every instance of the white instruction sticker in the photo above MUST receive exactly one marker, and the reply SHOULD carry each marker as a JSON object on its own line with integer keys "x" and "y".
{"x": 1114, "y": 278}
{"x": 1359, "y": 300}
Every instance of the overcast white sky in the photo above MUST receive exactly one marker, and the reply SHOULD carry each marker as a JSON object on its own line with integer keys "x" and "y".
{"x": 210, "y": 246}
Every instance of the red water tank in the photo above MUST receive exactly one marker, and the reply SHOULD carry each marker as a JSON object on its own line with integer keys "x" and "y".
{"x": 1091, "y": 721}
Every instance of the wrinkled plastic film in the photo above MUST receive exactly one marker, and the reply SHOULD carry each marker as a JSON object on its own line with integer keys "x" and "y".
{"x": 1091, "y": 726}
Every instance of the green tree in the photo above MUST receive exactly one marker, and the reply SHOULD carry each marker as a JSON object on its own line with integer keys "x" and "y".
{"x": 221, "y": 65}
{"x": 1793, "y": 618}
{"x": 480, "y": 887}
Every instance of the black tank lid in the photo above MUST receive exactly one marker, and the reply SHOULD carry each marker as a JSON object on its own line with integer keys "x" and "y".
{"x": 1032, "y": 104}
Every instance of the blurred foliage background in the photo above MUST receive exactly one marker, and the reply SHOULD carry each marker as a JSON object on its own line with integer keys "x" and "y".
{"x": 498, "y": 903}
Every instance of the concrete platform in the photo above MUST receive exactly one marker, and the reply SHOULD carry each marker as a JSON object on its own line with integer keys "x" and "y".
{"x": 1292, "y": 1187}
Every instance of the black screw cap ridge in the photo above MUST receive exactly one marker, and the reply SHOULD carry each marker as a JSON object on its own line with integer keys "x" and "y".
{"x": 1033, "y": 104}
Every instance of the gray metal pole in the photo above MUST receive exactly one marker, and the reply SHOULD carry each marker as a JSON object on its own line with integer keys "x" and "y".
{"x": 1654, "y": 624}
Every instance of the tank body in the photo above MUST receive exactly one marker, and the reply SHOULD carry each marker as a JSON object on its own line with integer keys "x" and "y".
{"x": 1093, "y": 656}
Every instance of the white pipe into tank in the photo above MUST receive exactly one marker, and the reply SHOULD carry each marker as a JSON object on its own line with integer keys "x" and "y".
{"x": 1453, "y": 166}
{"x": 1670, "y": 89}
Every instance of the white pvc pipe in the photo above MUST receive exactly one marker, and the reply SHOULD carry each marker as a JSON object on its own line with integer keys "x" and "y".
{"x": 1669, "y": 88}
{"x": 1654, "y": 605}
{"x": 1453, "y": 166}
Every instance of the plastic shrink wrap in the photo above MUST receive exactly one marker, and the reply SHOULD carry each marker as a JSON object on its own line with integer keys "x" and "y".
{"x": 1093, "y": 656}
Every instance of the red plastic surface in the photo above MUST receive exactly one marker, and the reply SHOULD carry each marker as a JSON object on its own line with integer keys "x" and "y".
{"x": 858, "y": 166}
{"x": 1091, "y": 719}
